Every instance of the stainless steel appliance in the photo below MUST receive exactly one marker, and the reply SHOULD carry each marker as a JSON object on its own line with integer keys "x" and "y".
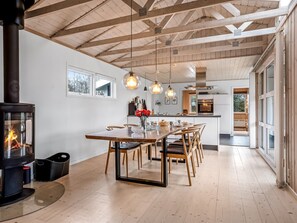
{"x": 205, "y": 106}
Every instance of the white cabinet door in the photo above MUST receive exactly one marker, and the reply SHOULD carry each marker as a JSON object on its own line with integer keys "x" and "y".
{"x": 225, "y": 112}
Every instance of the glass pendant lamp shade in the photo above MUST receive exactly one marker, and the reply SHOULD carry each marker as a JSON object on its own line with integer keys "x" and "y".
{"x": 131, "y": 81}
{"x": 170, "y": 93}
{"x": 156, "y": 88}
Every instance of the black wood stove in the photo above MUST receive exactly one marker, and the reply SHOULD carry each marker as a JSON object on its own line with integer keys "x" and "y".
{"x": 16, "y": 119}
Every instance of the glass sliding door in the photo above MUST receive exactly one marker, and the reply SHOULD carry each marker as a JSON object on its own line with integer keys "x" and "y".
{"x": 266, "y": 113}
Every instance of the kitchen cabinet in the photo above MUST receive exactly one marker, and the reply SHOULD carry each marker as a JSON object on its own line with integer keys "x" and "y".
{"x": 223, "y": 107}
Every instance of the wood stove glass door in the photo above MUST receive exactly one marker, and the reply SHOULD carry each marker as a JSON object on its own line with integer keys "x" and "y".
{"x": 17, "y": 134}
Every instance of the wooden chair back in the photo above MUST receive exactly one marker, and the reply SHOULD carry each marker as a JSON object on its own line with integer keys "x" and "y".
{"x": 112, "y": 127}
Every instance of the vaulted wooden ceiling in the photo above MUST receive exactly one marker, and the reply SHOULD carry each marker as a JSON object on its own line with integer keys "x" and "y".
{"x": 225, "y": 36}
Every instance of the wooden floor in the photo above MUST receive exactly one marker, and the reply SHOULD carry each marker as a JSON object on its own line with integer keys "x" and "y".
{"x": 232, "y": 185}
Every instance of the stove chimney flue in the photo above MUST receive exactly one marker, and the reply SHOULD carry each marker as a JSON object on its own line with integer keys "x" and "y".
{"x": 12, "y": 19}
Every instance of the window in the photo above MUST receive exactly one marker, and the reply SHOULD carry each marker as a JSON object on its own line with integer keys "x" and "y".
{"x": 82, "y": 82}
{"x": 266, "y": 113}
{"x": 193, "y": 106}
{"x": 103, "y": 86}
{"x": 270, "y": 78}
{"x": 79, "y": 82}
{"x": 240, "y": 102}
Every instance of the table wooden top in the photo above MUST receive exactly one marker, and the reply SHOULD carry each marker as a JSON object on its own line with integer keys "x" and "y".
{"x": 126, "y": 135}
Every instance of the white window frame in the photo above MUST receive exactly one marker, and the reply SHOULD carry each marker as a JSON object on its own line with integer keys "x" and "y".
{"x": 83, "y": 72}
{"x": 94, "y": 76}
{"x": 264, "y": 124}
{"x": 113, "y": 85}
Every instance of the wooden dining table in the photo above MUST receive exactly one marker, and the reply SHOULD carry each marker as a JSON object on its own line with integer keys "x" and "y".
{"x": 126, "y": 135}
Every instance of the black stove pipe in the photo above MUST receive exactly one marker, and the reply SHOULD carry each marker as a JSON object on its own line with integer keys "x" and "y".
{"x": 11, "y": 62}
{"x": 12, "y": 19}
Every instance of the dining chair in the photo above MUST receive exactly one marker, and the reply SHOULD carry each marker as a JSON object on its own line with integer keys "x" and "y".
{"x": 143, "y": 145}
{"x": 184, "y": 151}
{"x": 124, "y": 148}
{"x": 200, "y": 145}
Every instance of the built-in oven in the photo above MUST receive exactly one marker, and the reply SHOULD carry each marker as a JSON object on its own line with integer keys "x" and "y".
{"x": 205, "y": 106}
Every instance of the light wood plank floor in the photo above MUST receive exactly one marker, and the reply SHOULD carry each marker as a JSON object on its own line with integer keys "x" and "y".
{"x": 232, "y": 185}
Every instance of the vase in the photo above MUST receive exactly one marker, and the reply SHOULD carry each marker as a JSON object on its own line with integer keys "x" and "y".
{"x": 143, "y": 120}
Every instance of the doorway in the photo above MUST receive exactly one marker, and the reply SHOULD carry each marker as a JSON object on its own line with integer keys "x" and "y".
{"x": 241, "y": 111}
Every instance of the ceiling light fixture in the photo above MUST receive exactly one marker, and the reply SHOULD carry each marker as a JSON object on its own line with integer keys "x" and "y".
{"x": 130, "y": 80}
{"x": 145, "y": 88}
{"x": 156, "y": 87}
{"x": 170, "y": 93}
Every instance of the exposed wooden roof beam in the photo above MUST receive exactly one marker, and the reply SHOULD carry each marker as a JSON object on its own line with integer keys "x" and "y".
{"x": 199, "y": 26}
{"x": 209, "y": 39}
{"x": 219, "y": 16}
{"x": 55, "y": 7}
{"x": 194, "y": 50}
{"x": 232, "y": 53}
{"x": 151, "y": 14}
{"x": 149, "y": 4}
{"x": 231, "y": 8}
{"x": 136, "y": 8}
{"x": 148, "y": 22}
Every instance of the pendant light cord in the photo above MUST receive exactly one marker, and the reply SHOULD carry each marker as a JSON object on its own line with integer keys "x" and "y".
{"x": 156, "y": 48}
{"x": 170, "y": 67}
{"x": 131, "y": 34}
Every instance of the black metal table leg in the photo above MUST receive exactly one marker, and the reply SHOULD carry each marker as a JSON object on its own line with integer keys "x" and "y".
{"x": 164, "y": 182}
{"x": 149, "y": 149}
{"x": 165, "y": 173}
{"x": 117, "y": 160}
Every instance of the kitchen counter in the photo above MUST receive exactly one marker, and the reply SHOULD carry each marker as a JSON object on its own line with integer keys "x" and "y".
{"x": 211, "y": 133}
{"x": 182, "y": 116}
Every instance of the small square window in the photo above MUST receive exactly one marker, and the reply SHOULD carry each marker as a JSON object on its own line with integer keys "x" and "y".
{"x": 79, "y": 82}
{"x": 104, "y": 86}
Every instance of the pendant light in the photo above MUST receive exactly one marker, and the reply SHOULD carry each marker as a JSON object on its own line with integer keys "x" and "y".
{"x": 145, "y": 88}
{"x": 156, "y": 87}
{"x": 170, "y": 93}
{"x": 130, "y": 80}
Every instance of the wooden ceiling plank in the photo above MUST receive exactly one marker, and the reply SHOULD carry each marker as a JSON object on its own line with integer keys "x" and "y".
{"x": 231, "y": 8}
{"x": 185, "y": 20}
{"x": 151, "y": 14}
{"x": 184, "y": 52}
{"x": 82, "y": 17}
{"x": 167, "y": 18}
{"x": 54, "y": 8}
{"x": 199, "y": 26}
{"x": 210, "y": 39}
{"x": 36, "y": 4}
{"x": 108, "y": 49}
{"x": 95, "y": 37}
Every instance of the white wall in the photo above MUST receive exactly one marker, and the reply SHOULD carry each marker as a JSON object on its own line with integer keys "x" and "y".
{"x": 221, "y": 87}
{"x": 62, "y": 121}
